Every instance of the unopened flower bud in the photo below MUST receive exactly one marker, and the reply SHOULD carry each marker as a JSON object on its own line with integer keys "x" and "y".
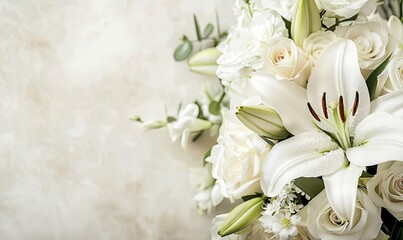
{"x": 262, "y": 120}
{"x": 204, "y": 62}
{"x": 306, "y": 20}
{"x": 242, "y": 217}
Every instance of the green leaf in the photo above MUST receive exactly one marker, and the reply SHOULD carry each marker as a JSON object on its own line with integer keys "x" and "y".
{"x": 214, "y": 108}
{"x": 310, "y": 186}
{"x": 267, "y": 140}
{"x": 206, "y": 155}
{"x": 171, "y": 119}
{"x": 184, "y": 50}
{"x": 287, "y": 25}
{"x": 195, "y": 138}
{"x": 197, "y": 28}
{"x": 208, "y": 31}
{"x": 372, "y": 79}
{"x": 136, "y": 119}
{"x": 366, "y": 175}
{"x": 249, "y": 197}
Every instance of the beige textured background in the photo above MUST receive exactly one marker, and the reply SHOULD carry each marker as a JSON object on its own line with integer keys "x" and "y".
{"x": 71, "y": 164}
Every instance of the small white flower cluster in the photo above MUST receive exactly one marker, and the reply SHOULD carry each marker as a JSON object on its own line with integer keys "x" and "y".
{"x": 280, "y": 214}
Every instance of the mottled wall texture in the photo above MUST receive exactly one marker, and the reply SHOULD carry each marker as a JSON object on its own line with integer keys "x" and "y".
{"x": 72, "y": 72}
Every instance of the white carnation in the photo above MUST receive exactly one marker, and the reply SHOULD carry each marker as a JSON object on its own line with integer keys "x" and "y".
{"x": 247, "y": 43}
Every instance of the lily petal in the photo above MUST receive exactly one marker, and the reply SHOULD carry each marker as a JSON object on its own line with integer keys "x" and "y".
{"x": 280, "y": 95}
{"x": 378, "y": 138}
{"x": 391, "y": 103}
{"x": 309, "y": 154}
{"x": 341, "y": 190}
{"x": 337, "y": 73}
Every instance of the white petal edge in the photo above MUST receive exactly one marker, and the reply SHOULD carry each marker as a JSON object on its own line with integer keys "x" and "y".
{"x": 378, "y": 138}
{"x": 287, "y": 98}
{"x": 337, "y": 73}
{"x": 391, "y": 103}
{"x": 341, "y": 190}
{"x": 309, "y": 154}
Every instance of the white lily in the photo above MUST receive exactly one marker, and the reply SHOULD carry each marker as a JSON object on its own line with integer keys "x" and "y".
{"x": 336, "y": 132}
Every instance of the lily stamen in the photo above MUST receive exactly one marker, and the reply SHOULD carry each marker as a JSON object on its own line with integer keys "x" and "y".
{"x": 313, "y": 113}
{"x": 356, "y": 101}
{"x": 324, "y": 105}
{"x": 341, "y": 109}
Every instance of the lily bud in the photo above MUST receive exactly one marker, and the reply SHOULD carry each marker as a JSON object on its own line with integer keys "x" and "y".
{"x": 241, "y": 218}
{"x": 262, "y": 120}
{"x": 204, "y": 62}
{"x": 306, "y": 20}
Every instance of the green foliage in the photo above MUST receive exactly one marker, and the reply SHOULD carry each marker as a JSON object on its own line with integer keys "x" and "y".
{"x": 311, "y": 186}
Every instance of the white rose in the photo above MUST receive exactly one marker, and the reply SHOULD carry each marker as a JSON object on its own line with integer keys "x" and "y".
{"x": 386, "y": 189}
{"x": 237, "y": 158}
{"x": 323, "y": 223}
{"x": 372, "y": 42}
{"x": 246, "y": 44}
{"x": 287, "y": 61}
{"x": 316, "y": 42}
{"x": 348, "y": 8}
{"x": 391, "y": 79}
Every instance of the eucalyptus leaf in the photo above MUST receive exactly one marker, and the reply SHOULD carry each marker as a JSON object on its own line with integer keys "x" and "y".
{"x": 197, "y": 28}
{"x": 214, "y": 108}
{"x": 372, "y": 79}
{"x": 208, "y": 30}
{"x": 311, "y": 186}
{"x": 183, "y": 51}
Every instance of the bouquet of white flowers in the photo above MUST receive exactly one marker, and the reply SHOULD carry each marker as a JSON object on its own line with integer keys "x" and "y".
{"x": 309, "y": 117}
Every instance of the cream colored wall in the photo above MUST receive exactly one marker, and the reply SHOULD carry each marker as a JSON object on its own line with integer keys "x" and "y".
{"x": 71, "y": 164}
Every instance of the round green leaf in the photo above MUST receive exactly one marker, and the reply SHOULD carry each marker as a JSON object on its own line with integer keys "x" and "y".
{"x": 183, "y": 51}
{"x": 208, "y": 30}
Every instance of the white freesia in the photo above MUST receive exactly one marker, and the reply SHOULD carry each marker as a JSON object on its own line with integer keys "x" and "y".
{"x": 186, "y": 124}
{"x": 348, "y": 8}
{"x": 287, "y": 61}
{"x": 386, "y": 189}
{"x": 371, "y": 40}
{"x": 316, "y": 43}
{"x": 247, "y": 43}
{"x": 335, "y": 135}
{"x": 324, "y": 223}
{"x": 237, "y": 158}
